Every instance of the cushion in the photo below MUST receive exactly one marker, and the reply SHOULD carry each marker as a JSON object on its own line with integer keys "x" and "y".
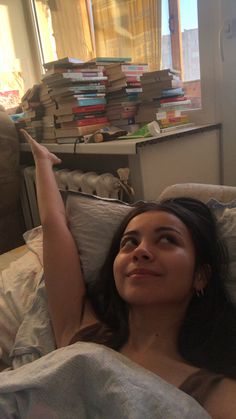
{"x": 226, "y": 218}
{"x": 18, "y": 284}
{"x": 93, "y": 221}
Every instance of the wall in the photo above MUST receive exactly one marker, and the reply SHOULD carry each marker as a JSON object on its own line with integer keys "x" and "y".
{"x": 227, "y": 92}
{"x": 17, "y": 54}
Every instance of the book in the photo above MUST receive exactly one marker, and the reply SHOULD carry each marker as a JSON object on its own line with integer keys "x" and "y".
{"x": 166, "y": 72}
{"x": 87, "y": 102}
{"x": 68, "y": 109}
{"x": 79, "y": 116}
{"x": 77, "y": 131}
{"x": 122, "y": 115}
{"x": 84, "y": 122}
{"x": 168, "y": 114}
{"x": 177, "y": 127}
{"x": 173, "y": 92}
{"x": 176, "y": 104}
{"x": 66, "y": 61}
{"x": 76, "y": 90}
{"x": 73, "y": 77}
{"x": 165, "y": 123}
{"x": 74, "y": 69}
{"x": 127, "y": 67}
{"x": 173, "y": 99}
{"x": 71, "y": 74}
{"x": 109, "y": 60}
{"x": 162, "y": 84}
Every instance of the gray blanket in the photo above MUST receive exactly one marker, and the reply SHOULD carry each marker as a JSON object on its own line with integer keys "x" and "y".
{"x": 90, "y": 381}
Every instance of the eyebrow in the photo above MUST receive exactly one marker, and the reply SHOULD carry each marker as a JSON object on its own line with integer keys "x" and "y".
{"x": 156, "y": 230}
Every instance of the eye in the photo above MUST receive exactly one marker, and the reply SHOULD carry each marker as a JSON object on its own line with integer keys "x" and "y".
{"x": 128, "y": 242}
{"x": 168, "y": 239}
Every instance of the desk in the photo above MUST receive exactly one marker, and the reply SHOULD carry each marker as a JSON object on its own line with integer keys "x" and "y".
{"x": 187, "y": 155}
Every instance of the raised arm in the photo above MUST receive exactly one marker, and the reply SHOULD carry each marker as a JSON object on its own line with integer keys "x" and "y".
{"x": 63, "y": 276}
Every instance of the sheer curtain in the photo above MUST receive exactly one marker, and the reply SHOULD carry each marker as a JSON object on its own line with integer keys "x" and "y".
{"x": 128, "y": 28}
{"x": 71, "y": 28}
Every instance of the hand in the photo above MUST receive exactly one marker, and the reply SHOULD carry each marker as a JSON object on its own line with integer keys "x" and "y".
{"x": 39, "y": 151}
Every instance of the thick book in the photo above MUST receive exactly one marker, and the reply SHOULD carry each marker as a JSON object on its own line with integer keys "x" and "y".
{"x": 173, "y": 99}
{"x": 76, "y": 90}
{"x": 172, "y": 92}
{"x": 74, "y": 69}
{"x": 77, "y": 131}
{"x": 70, "y": 74}
{"x": 162, "y": 84}
{"x": 165, "y": 123}
{"x": 87, "y": 102}
{"x": 176, "y": 104}
{"x": 162, "y": 73}
{"x": 72, "y": 109}
{"x": 79, "y": 116}
{"x": 109, "y": 60}
{"x": 66, "y": 61}
{"x": 84, "y": 122}
{"x": 76, "y": 77}
{"x": 165, "y": 114}
{"x": 127, "y": 67}
{"x": 177, "y": 127}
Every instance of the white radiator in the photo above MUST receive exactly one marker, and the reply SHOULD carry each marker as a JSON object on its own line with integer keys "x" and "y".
{"x": 105, "y": 185}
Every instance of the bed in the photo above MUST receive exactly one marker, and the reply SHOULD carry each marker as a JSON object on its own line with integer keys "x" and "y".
{"x": 107, "y": 382}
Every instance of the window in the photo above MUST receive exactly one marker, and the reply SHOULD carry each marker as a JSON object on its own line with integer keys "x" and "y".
{"x": 180, "y": 46}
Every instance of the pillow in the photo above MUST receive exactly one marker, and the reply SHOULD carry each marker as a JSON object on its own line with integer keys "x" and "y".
{"x": 18, "y": 284}
{"x": 93, "y": 222}
{"x": 226, "y": 219}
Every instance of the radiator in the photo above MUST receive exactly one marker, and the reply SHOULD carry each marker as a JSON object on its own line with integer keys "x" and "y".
{"x": 105, "y": 185}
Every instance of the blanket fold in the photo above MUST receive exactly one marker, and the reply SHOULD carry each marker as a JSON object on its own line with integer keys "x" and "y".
{"x": 86, "y": 380}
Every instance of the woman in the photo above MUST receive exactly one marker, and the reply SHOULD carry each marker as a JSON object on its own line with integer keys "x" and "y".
{"x": 161, "y": 301}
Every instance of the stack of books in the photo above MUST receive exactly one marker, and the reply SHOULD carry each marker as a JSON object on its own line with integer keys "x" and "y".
{"x": 123, "y": 90}
{"x": 162, "y": 91}
{"x": 79, "y": 96}
{"x": 33, "y": 112}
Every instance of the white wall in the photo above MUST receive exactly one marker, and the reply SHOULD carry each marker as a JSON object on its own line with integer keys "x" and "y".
{"x": 227, "y": 92}
{"x": 15, "y": 43}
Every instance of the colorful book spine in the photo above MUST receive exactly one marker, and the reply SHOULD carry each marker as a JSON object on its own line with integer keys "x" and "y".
{"x": 134, "y": 67}
{"x": 87, "y": 102}
{"x": 84, "y": 122}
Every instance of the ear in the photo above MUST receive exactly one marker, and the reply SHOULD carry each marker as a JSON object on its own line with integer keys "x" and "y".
{"x": 202, "y": 277}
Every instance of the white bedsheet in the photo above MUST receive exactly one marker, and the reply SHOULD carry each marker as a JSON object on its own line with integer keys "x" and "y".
{"x": 90, "y": 381}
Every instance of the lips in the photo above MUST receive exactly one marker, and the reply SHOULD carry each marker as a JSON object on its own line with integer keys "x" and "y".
{"x": 142, "y": 272}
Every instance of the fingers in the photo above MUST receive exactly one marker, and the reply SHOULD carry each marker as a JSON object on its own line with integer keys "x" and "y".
{"x": 27, "y": 136}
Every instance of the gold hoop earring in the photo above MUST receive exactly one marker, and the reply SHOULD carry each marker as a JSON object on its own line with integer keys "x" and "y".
{"x": 200, "y": 293}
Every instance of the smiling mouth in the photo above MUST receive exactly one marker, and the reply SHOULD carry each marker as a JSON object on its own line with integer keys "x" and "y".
{"x": 142, "y": 272}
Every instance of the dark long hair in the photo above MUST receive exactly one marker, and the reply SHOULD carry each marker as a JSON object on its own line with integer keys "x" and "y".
{"x": 207, "y": 336}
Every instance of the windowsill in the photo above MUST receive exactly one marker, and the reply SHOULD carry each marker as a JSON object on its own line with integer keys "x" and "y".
{"x": 124, "y": 147}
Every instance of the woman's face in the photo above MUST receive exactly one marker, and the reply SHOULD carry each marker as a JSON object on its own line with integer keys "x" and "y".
{"x": 156, "y": 261}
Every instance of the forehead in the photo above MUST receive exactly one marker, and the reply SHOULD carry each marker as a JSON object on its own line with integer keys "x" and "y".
{"x": 155, "y": 220}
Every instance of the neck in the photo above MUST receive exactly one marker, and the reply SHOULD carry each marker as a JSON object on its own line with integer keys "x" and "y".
{"x": 155, "y": 328}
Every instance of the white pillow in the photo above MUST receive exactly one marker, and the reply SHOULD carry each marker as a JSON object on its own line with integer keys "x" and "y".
{"x": 18, "y": 284}
{"x": 93, "y": 222}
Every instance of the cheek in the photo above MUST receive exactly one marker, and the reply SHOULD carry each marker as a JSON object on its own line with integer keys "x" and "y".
{"x": 117, "y": 267}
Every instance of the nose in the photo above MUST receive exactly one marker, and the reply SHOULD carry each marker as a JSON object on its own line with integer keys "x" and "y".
{"x": 143, "y": 252}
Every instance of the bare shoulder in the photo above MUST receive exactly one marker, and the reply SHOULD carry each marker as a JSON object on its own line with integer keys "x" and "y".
{"x": 221, "y": 404}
